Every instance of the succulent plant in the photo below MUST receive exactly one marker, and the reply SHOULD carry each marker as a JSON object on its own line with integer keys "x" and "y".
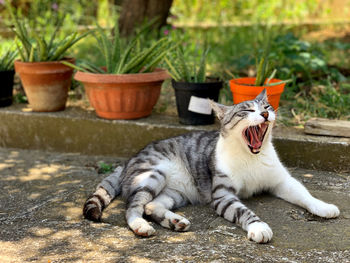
{"x": 33, "y": 46}
{"x": 180, "y": 70}
{"x": 125, "y": 57}
{"x": 264, "y": 73}
{"x": 7, "y": 58}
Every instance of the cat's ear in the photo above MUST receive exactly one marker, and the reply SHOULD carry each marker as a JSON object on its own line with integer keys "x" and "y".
{"x": 219, "y": 109}
{"x": 262, "y": 96}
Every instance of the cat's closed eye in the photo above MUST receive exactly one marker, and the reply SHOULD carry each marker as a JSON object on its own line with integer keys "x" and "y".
{"x": 249, "y": 110}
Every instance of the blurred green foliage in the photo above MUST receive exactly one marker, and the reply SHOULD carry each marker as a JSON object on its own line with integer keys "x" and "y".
{"x": 239, "y": 11}
{"x": 234, "y": 30}
{"x": 104, "y": 168}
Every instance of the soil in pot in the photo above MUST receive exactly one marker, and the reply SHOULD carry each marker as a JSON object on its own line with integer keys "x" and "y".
{"x": 46, "y": 84}
{"x": 123, "y": 96}
{"x": 243, "y": 89}
{"x": 192, "y": 101}
{"x": 6, "y": 89}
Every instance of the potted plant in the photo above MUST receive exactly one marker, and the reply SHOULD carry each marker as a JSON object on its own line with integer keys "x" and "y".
{"x": 7, "y": 72}
{"x": 128, "y": 85}
{"x": 45, "y": 79}
{"x": 192, "y": 89}
{"x": 248, "y": 88}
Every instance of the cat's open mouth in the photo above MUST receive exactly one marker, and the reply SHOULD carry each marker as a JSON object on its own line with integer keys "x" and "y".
{"x": 254, "y": 136}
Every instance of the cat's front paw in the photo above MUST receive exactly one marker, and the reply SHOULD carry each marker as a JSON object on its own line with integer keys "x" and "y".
{"x": 323, "y": 209}
{"x": 259, "y": 232}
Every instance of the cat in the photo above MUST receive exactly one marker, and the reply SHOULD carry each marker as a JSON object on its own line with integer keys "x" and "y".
{"x": 207, "y": 167}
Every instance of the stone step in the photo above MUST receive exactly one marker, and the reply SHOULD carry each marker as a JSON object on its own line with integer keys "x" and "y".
{"x": 320, "y": 126}
{"x": 79, "y": 131}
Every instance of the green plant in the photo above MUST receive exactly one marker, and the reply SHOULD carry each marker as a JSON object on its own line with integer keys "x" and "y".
{"x": 180, "y": 70}
{"x": 264, "y": 74}
{"x": 20, "y": 98}
{"x": 34, "y": 47}
{"x": 104, "y": 168}
{"x": 7, "y": 58}
{"x": 121, "y": 56}
{"x": 299, "y": 58}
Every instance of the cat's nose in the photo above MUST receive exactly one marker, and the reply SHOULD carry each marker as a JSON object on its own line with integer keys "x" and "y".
{"x": 265, "y": 115}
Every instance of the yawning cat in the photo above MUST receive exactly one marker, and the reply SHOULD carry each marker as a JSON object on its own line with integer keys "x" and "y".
{"x": 215, "y": 167}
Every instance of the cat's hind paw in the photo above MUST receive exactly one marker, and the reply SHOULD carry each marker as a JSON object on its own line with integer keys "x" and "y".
{"x": 325, "y": 210}
{"x": 175, "y": 222}
{"x": 142, "y": 228}
{"x": 92, "y": 209}
{"x": 181, "y": 225}
{"x": 259, "y": 232}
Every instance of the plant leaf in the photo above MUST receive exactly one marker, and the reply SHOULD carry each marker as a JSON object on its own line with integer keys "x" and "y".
{"x": 172, "y": 70}
{"x": 74, "y": 66}
{"x": 106, "y": 47}
{"x": 202, "y": 67}
{"x": 121, "y": 65}
{"x": 278, "y": 83}
{"x": 182, "y": 64}
{"x": 31, "y": 54}
{"x": 162, "y": 55}
{"x": 138, "y": 62}
{"x": 116, "y": 47}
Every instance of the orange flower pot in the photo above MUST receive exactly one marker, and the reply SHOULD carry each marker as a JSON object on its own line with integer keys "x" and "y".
{"x": 46, "y": 84}
{"x": 123, "y": 96}
{"x": 243, "y": 89}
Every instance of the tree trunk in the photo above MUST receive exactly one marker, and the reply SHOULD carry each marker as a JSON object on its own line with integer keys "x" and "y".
{"x": 135, "y": 12}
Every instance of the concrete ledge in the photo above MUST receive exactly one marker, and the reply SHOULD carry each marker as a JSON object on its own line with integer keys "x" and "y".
{"x": 79, "y": 131}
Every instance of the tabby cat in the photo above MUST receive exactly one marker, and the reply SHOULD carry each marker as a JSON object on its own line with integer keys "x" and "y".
{"x": 207, "y": 167}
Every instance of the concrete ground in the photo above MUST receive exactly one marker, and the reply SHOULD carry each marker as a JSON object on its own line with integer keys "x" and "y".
{"x": 41, "y": 200}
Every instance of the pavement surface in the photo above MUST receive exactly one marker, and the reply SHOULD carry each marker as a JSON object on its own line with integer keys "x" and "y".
{"x": 41, "y": 199}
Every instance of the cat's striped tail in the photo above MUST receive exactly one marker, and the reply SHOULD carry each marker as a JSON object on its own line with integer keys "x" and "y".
{"x": 106, "y": 191}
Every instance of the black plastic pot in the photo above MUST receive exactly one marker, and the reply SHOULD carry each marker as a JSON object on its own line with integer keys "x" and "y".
{"x": 6, "y": 87}
{"x": 186, "y": 92}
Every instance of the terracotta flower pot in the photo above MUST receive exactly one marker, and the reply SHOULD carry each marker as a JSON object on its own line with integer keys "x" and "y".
{"x": 123, "y": 96}
{"x": 46, "y": 84}
{"x": 243, "y": 89}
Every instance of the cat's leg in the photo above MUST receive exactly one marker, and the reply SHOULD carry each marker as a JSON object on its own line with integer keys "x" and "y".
{"x": 294, "y": 192}
{"x": 105, "y": 192}
{"x": 228, "y": 205}
{"x": 159, "y": 211}
{"x": 145, "y": 187}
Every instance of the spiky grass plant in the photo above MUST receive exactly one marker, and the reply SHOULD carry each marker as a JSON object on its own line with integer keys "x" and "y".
{"x": 182, "y": 70}
{"x": 125, "y": 57}
{"x": 7, "y": 57}
{"x": 33, "y": 46}
{"x": 264, "y": 73}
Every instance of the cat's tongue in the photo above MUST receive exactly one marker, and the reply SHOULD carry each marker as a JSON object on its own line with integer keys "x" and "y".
{"x": 254, "y": 137}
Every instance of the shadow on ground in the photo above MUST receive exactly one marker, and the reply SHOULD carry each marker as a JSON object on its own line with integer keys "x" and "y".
{"x": 40, "y": 220}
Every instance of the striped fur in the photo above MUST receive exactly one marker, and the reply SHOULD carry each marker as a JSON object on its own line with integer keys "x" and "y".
{"x": 216, "y": 168}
